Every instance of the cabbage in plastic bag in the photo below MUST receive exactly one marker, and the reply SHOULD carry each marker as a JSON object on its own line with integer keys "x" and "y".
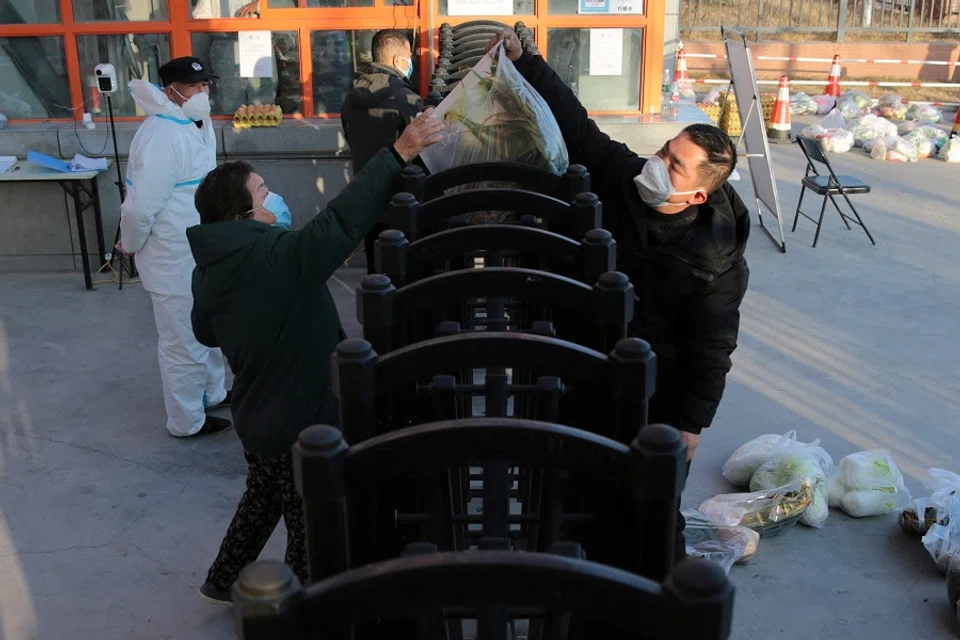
{"x": 740, "y": 466}
{"x": 924, "y": 145}
{"x": 894, "y": 149}
{"x": 924, "y": 112}
{"x": 494, "y": 115}
{"x": 867, "y": 483}
{"x": 854, "y": 104}
{"x": 719, "y": 541}
{"x": 804, "y": 462}
{"x": 870, "y": 127}
{"x": 950, "y": 151}
{"x": 803, "y": 105}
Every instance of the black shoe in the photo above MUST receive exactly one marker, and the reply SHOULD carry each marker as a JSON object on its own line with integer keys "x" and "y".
{"x": 213, "y": 594}
{"x": 213, "y": 425}
{"x": 223, "y": 405}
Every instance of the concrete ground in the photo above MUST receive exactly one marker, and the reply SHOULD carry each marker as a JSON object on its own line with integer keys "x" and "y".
{"x": 108, "y": 525}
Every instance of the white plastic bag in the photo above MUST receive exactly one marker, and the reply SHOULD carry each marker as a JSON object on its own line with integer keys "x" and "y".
{"x": 894, "y": 149}
{"x": 924, "y": 112}
{"x": 870, "y": 127}
{"x": 867, "y": 483}
{"x": 942, "y": 543}
{"x": 803, "y": 105}
{"x": 922, "y": 513}
{"x": 494, "y": 115}
{"x": 808, "y": 463}
{"x": 825, "y": 104}
{"x": 891, "y": 107}
{"x": 925, "y": 146}
{"x": 950, "y": 151}
{"x": 837, "y": 141}
{"x": 853, "y": 104}
{"x": 721, "y": 541}
{"x": 741, "y": 465}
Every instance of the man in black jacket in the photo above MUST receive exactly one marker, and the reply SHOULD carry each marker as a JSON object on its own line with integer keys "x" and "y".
{"x": 378, "y": 107}
{"x": 681, "y": 233}
{"x": 260, "y": 295}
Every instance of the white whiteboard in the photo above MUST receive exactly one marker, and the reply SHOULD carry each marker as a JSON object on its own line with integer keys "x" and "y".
{"x": 754, "y": 136}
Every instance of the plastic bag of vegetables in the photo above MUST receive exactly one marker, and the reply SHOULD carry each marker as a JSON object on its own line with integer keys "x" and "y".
{"x": 922, "y": 513}
{"x": 942, "y": 542}
{"x": 769, "y": 513}
{"x": 494, "y": 115}
{"x": 891, "y": 106}
{"x": 803, "y": 105}
{"x": 741, "y": 465}
{"x": 867, "y": 483}
{"x": 924, "y": 145}
{"x": 721, "y": 541}
{"x": 825, "y": 104}
{"x": 894, "y": 149}
{"x": 870, "y": 127}
{"x": 950, "y": 151}
{"x": 924, "y": 112}
{"x": 808, "y": 463}
{"x": 854, "y": 104}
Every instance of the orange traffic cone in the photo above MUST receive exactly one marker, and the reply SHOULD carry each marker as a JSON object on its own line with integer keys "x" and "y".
{"x": 956, "y": 124}
{"x": 779, "y": 128}
{"x": 681, "y": 73}
{"x": 833, "y": 80}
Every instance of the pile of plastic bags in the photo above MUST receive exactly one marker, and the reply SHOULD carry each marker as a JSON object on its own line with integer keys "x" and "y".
{"x": 892, "y": 149}
{"x": 867, "y": 483}
{"x": 831, "y": 132}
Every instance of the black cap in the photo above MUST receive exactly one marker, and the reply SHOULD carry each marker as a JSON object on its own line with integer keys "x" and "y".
{"x": 187, "y": 70}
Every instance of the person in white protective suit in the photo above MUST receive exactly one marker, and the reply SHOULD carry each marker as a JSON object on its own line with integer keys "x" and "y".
{"x": 171, "y": 153}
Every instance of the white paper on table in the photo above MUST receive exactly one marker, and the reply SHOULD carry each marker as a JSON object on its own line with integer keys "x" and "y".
{"x": 256, "y": 54}
{"x": 606, "y": 52}
{"x": 480, "y": 7}
{"x": 83, "y": 163}
{"x": 6, "y": 162}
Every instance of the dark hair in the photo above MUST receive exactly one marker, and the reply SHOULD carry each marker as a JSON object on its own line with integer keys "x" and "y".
{"x": 223, "y": 194}
{"x": 388, "y": 43}
{"x": 721, "y": 153}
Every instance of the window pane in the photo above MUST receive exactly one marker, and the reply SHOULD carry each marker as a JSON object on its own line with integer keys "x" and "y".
{"x": 135, "y": 57}
{"x": 602, "y": 66}
{"x": 119, "y": 10}
{"x": 29, "y": 11}
{"x": 337, "y": 55}
{"x": 212, "y": 9}
{"x": 33, "y": 74}
{"x": 596, "y": 7}
{"x": 325, "y": 4}
{"x": 221, "y": 53}
{"x": 496, "y": 8}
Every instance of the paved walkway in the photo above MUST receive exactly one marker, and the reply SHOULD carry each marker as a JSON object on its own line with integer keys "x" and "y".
{"x": 107, "y": 524}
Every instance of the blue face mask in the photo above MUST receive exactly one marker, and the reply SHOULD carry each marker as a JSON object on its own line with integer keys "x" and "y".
{"x": 409, "y": 72}
{"x": 275, "y": 205}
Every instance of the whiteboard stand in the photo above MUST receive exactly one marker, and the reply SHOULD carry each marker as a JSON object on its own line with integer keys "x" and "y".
{"x": 753, "y": 134}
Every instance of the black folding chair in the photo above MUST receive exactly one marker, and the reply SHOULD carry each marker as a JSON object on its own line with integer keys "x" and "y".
{"x": 354, "y": 513}
{"x": 827, "y": 185}
{"x": 424, "y": 188}
{"x": 417, "y": 220}
{"x": 694, "y": 603}
{"x": 405, "y": 262}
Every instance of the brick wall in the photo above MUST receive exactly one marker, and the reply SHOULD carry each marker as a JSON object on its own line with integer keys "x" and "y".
{"x": 769, "y": 69}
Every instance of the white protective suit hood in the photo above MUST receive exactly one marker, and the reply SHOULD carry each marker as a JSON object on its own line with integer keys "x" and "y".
{"x": 153, "y": 100}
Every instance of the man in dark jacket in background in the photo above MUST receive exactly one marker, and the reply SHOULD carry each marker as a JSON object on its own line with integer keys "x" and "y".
{"x": 260, "y": 295}
{"x": 378, "y": 107}
{"x": 681, "y": 233}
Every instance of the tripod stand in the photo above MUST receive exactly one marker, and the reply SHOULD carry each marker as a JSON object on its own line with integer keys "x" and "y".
{"x": 114, "y": 254}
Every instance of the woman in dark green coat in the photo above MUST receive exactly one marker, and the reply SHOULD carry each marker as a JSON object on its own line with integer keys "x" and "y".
{"x": 260, "y": 295}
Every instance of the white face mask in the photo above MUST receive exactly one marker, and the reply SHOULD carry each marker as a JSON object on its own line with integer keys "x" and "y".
{"x": 654, "y": 184}
{"x": 197, "y": 106}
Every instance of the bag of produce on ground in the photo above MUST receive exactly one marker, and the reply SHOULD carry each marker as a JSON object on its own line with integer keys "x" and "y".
{"x": 924, "y": 112}
{"x": 894, "y": 149}
{"x": 905, "y": 127}
{"x": 891, "y": 107}
{"x": 925, "y": 146}
{"x": 867, "y": 483}
{"x": 803, "y": 105}
{"x": 922, "y": 513}
{"x": 942, "y": 542}
{"x": 808, "y": 463}
{"x": 825, "y": 104}
{"x": 721, "y": 541}
{"x": 953, "y": 582}
{"x": 950, "y": 151}
{"x": 494, "y": 115}
{"x": 854, "y": 104}
{"x": 837, "y": 141}
{"x": 870, "y": 127}
{"x": 769, "y": 513}
{"x": 740, "y": 466}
